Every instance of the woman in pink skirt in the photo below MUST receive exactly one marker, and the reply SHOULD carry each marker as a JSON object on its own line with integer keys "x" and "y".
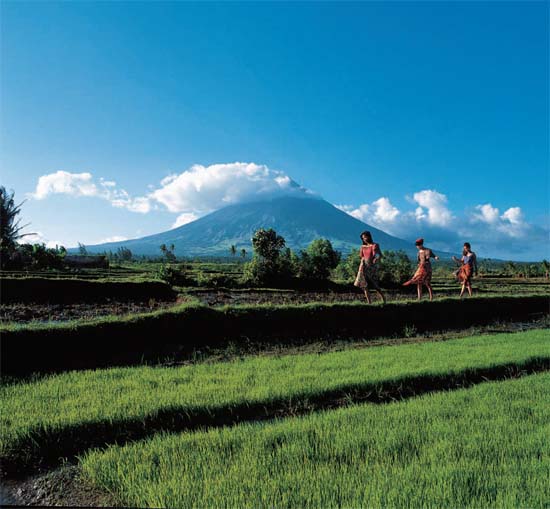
{"x": 366, "y": 275}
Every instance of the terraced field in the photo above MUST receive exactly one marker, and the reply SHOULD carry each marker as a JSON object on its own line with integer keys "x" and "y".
{"x": 478, "y": 447}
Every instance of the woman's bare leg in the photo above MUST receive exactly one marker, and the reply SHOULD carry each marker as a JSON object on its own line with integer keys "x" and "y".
{"x": 430, "y": 291}
{"x": 367, "y": 296}
{"x": 382, "y": 296}
{"x": 419, "y": 291}
{"x": 462, "y": 290}
{"x": 469, "y": 287}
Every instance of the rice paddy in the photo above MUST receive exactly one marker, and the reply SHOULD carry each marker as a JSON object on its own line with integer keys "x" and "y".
{"x": 75, "y": 410}
{"x": 482, "y": 447}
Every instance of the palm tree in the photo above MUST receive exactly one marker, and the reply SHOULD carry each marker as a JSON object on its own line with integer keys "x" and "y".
{"x": 233, "y": 250}
{"x": 511, "y": 268}
{"x": 546, "y": 268}
{"x": 243, "y": 252}
{"x": 10, "y": 231}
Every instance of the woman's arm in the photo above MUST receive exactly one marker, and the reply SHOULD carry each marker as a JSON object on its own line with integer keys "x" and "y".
{"x": 377, "y": 254}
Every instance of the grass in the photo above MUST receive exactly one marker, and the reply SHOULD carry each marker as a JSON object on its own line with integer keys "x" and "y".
{"x": 100, "y": 320}
{"x": 482, "y": 447}
{"x": 72, "y": 411}
{"x": 239, "y": 309}
{"x": 187, "y": 329}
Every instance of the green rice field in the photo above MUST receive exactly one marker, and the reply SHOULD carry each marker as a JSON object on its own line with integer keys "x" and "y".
{"x": 482, "y": 447}
{"x": 38, "y": 417}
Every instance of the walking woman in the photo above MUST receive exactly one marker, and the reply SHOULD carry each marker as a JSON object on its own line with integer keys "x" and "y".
{"x": 366, "y": 275}
{"x": 423, "y": 274}
{"x": 468, "y": 267}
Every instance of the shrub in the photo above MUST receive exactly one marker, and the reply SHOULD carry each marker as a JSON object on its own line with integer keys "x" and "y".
{"x": 215, "y": 280}
{"x": 347, "y": 268}
{"x": 174, "y": 276}
{"x": 36, "y": 256}
{"x": 269, "y": 266}
{"x": 395, "y": 268}
{"x": 317, "y": 261}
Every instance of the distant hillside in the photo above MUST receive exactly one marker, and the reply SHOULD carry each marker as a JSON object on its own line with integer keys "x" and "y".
{"x": 298, "y": 220}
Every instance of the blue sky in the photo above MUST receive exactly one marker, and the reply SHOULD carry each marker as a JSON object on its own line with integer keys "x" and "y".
{"x": 422, "y": 118}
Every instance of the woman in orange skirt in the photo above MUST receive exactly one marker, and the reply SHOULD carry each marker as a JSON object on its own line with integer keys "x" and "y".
{"x": 423, "y": 274}
{"x": 366, "y": 275}
{"x": 468, "y": 267}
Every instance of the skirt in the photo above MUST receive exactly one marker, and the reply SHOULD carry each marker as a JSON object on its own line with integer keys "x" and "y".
{"x": 422, "y": 276}
{"x": 366, "y": 277}
{"x": 464, "y": 274}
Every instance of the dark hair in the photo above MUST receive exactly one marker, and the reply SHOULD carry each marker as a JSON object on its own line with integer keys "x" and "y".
{"x": 419, "y": 242}
{"x": 467, "y": 244}
{"x": 368, "y": 235}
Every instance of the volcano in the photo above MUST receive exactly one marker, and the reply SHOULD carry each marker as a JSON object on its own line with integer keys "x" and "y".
{"x": 298, "y": 219}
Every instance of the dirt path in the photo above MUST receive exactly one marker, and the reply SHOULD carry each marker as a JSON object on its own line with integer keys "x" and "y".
{"x": 60, "y": 487}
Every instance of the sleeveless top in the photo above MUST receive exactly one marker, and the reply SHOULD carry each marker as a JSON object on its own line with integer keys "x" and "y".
{"x": 369, "y": 252}
{"x": 468, "y": 259}
{"x": 424, "y": 255}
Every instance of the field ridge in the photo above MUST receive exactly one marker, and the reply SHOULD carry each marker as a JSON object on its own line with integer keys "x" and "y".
{"x": 189, "y": 327}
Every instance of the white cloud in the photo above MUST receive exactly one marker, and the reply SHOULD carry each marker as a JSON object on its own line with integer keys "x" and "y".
{"x": 380, "y": 213}
{"x": 107, "y": 183}
{"x": 513, "y": 215}
{"x": 196, "y": 191}
{"x": 114, "y": 238}
{"x": 494, "y": 234}
{"x": 202, "y": 189}
{"x": 82, "y": 184}
{"x": 141, "y": 204}
{"x": 511, "y": 222}
{"x": 63, "y": 182}
{"x": 384, "y": 211}
{"x": 362, "y": 212}
{"x": 432, "y": 208}
{"x": 186, "y": 217}
{"x": 38, "y": 238}
{"x": 487, "y": 214}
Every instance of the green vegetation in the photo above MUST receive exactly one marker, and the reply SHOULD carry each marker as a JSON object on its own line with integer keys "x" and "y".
{"x": 190, "y": 327}
{"x": 483, "y": 447}
{"x": 35, "y": 257}
{"x": 318, "y": 260}
{"x": 270, "y": 265}
{"x": 10, "y": 230}
{"x": 168, "y": 252}
{"x": 44, "y": 417}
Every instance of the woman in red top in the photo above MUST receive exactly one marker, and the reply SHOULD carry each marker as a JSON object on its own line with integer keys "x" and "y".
{"x": 423, "y": 274}
{"x": 366, "y": 275}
